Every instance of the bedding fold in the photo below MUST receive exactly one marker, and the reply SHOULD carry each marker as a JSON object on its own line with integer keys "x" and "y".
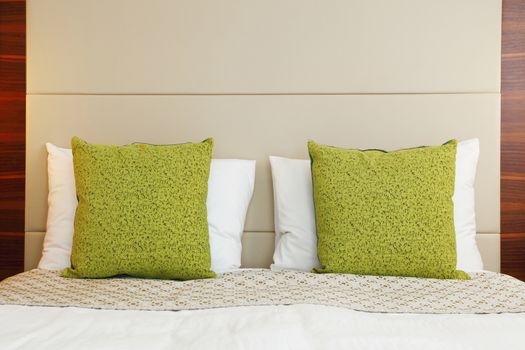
{"x": 485, "y": 292}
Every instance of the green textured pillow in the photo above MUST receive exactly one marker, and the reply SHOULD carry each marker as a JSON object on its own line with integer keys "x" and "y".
{"x": 385, "y": 213}
{"x": 141, "y": 211}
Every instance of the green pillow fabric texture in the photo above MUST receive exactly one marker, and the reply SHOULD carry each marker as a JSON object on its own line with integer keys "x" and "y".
{"x": 141, "y": 211}
{"x": 385, "y": 213}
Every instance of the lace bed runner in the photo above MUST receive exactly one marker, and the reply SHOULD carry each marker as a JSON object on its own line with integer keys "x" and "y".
{"x": 484, "y": 293}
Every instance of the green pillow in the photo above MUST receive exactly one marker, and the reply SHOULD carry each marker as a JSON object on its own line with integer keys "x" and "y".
{"x": 141, "y": 211}
{"x": 385, "y": 213}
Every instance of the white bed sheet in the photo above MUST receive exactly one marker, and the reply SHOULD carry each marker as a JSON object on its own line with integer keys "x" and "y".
{"x": 255, "y": 327}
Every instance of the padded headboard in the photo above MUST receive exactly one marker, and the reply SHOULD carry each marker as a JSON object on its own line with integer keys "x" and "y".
{"x": 262, "y": 77}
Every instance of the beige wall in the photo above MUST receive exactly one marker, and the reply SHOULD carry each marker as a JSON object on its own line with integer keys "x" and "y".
{"x": 263, "y": 46}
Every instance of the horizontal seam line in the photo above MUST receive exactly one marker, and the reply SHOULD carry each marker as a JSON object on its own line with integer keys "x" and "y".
{"x": 265, "y": 94}
{"x": 273, "y": 232}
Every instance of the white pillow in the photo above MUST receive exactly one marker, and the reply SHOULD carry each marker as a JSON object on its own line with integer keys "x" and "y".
{"x": 468, "y": 256}
{"x": 230, "y": 189}
{"x": 296, "y": 238}
{"x": 294, "y": 215}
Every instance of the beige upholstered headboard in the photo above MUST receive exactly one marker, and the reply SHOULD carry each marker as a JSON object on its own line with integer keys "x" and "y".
{"x": 262, "y": 77}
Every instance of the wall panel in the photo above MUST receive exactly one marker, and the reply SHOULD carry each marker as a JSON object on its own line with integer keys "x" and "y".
{"x": 12, "y": 135}
{"x": 513, "y": 139}
{"x": 264, "y": 46}
{"x": 256, "y": 126}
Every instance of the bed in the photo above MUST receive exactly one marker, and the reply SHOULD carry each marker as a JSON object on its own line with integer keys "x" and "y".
{"x": 209, "y": 78}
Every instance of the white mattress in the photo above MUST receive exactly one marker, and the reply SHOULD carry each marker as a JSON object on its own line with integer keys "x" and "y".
{"x": 255, "y": 327}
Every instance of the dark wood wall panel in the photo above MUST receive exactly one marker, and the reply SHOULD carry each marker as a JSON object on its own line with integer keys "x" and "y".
{"x": 513, "y": 139}
{"x": 12, "y": 135}
{"x": 11, "y": 253}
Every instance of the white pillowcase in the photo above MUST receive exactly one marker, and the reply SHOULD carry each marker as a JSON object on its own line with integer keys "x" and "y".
{"x": 61, "y": 204}
{"x": 230, "y": 189}
{"x": 468, "y": 255}
{"x": 296, "y": 238}
{"x": 294, "y": 215}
